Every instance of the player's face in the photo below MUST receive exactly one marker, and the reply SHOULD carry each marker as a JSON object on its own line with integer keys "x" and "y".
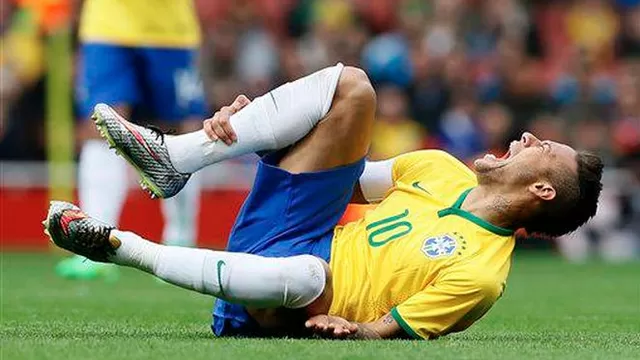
{"x": 530, "y": 156}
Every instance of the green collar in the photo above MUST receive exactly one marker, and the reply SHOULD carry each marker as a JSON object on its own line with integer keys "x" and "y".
{"x": 456, "y": 210}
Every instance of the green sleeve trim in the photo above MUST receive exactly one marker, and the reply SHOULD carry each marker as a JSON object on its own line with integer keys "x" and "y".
{"x": 403, "y": 324}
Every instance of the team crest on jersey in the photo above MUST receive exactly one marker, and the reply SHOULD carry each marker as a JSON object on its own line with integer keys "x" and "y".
{"x": 440, "y": 246}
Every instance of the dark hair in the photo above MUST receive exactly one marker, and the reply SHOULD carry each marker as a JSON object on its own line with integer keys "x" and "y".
{"x": 576, "y": 198}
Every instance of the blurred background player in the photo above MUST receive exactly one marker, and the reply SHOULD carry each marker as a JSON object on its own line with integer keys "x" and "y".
{"x": 140, "y": 57}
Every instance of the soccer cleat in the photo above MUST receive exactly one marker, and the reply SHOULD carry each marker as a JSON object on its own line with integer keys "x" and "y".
{"x": 71, "y": 229}
{"x": 144, "y": 148}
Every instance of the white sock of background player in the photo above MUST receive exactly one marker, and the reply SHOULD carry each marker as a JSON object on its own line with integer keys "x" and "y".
{"x": 270, "y": 122}
{"x": 180, "y": 215}
{"x": 291, "y": 282}
{"x": 102, "y": 181}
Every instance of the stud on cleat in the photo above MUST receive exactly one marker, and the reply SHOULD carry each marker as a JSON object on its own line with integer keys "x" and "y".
{"x": 45, "y": 230}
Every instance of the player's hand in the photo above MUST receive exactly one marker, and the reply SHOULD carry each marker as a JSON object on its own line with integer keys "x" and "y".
{"x": 218, "y": 127}
{"x": 331, "y": 326}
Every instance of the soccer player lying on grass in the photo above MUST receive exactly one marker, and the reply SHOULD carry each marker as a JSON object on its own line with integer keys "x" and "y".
{"x": 429, "y": 260}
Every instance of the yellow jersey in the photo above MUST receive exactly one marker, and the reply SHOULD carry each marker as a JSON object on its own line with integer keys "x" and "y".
{"x": 418, "y": 255}
{"x": 153, "y": 23}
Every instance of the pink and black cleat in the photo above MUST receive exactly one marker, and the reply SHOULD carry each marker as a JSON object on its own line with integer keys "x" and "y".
{"x": 71, "y": 229}
{"x": 144, "y": 148}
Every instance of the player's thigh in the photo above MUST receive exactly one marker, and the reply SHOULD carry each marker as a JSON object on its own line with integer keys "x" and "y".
{"x": 173, "y": 88}
{"x": 106, "y": 74}
{"x": 344, "y": 135}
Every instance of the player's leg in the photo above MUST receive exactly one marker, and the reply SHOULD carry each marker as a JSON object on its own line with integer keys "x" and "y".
{"x": 343, "y": 136}
{"x": 175, "y": 97}
{"x": 271, "y": 122}
{"x": 298, "y": 198}
{"x": 180, "y": 214}
{"x": 105, "y": 74}
{"x": 341, "y": 139}
{"x": 291, "y": 282}
{"x": 288, "y": 321}
{"x": 102, "y": 188}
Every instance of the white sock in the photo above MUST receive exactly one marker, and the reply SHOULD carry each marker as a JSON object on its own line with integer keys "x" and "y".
{"x": 180, "y": 215}
{"x": 270, "y": 122}
{"x": 292, "y": 282}
{"x": 102, "y": 182}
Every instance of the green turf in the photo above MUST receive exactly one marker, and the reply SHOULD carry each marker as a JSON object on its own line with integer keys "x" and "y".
{"x": 551, "y": 310}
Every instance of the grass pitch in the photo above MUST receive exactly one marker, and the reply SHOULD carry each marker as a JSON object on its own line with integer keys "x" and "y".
{"x": 550, "y": 310}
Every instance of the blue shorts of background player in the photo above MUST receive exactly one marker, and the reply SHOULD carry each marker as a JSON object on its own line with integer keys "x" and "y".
{"x": 285, "y": 215}
{"x": 163, "y": 82}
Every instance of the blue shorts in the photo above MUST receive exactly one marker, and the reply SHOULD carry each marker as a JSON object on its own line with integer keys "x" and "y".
{"x": 285, "y": 215}
{"x": 162, "y": 82}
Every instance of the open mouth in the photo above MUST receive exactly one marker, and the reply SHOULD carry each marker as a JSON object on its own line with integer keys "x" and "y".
{"x": 505, "y": 156}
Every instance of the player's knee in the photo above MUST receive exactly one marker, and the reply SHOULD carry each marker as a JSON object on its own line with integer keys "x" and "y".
{"x": 322, "y": 303}
{"x": 354, "y": 104}
{"x": 305, "y": 278}
{"x": 355, "y": 87}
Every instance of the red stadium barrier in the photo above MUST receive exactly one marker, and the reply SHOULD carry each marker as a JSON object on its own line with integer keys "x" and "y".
{"x": 22, "y": 211}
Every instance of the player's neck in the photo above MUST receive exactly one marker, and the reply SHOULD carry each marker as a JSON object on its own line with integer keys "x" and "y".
{"x": 493, "y": 206}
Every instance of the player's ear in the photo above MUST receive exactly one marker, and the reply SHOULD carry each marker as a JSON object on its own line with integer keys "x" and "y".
{"x": 543, "y": 190}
